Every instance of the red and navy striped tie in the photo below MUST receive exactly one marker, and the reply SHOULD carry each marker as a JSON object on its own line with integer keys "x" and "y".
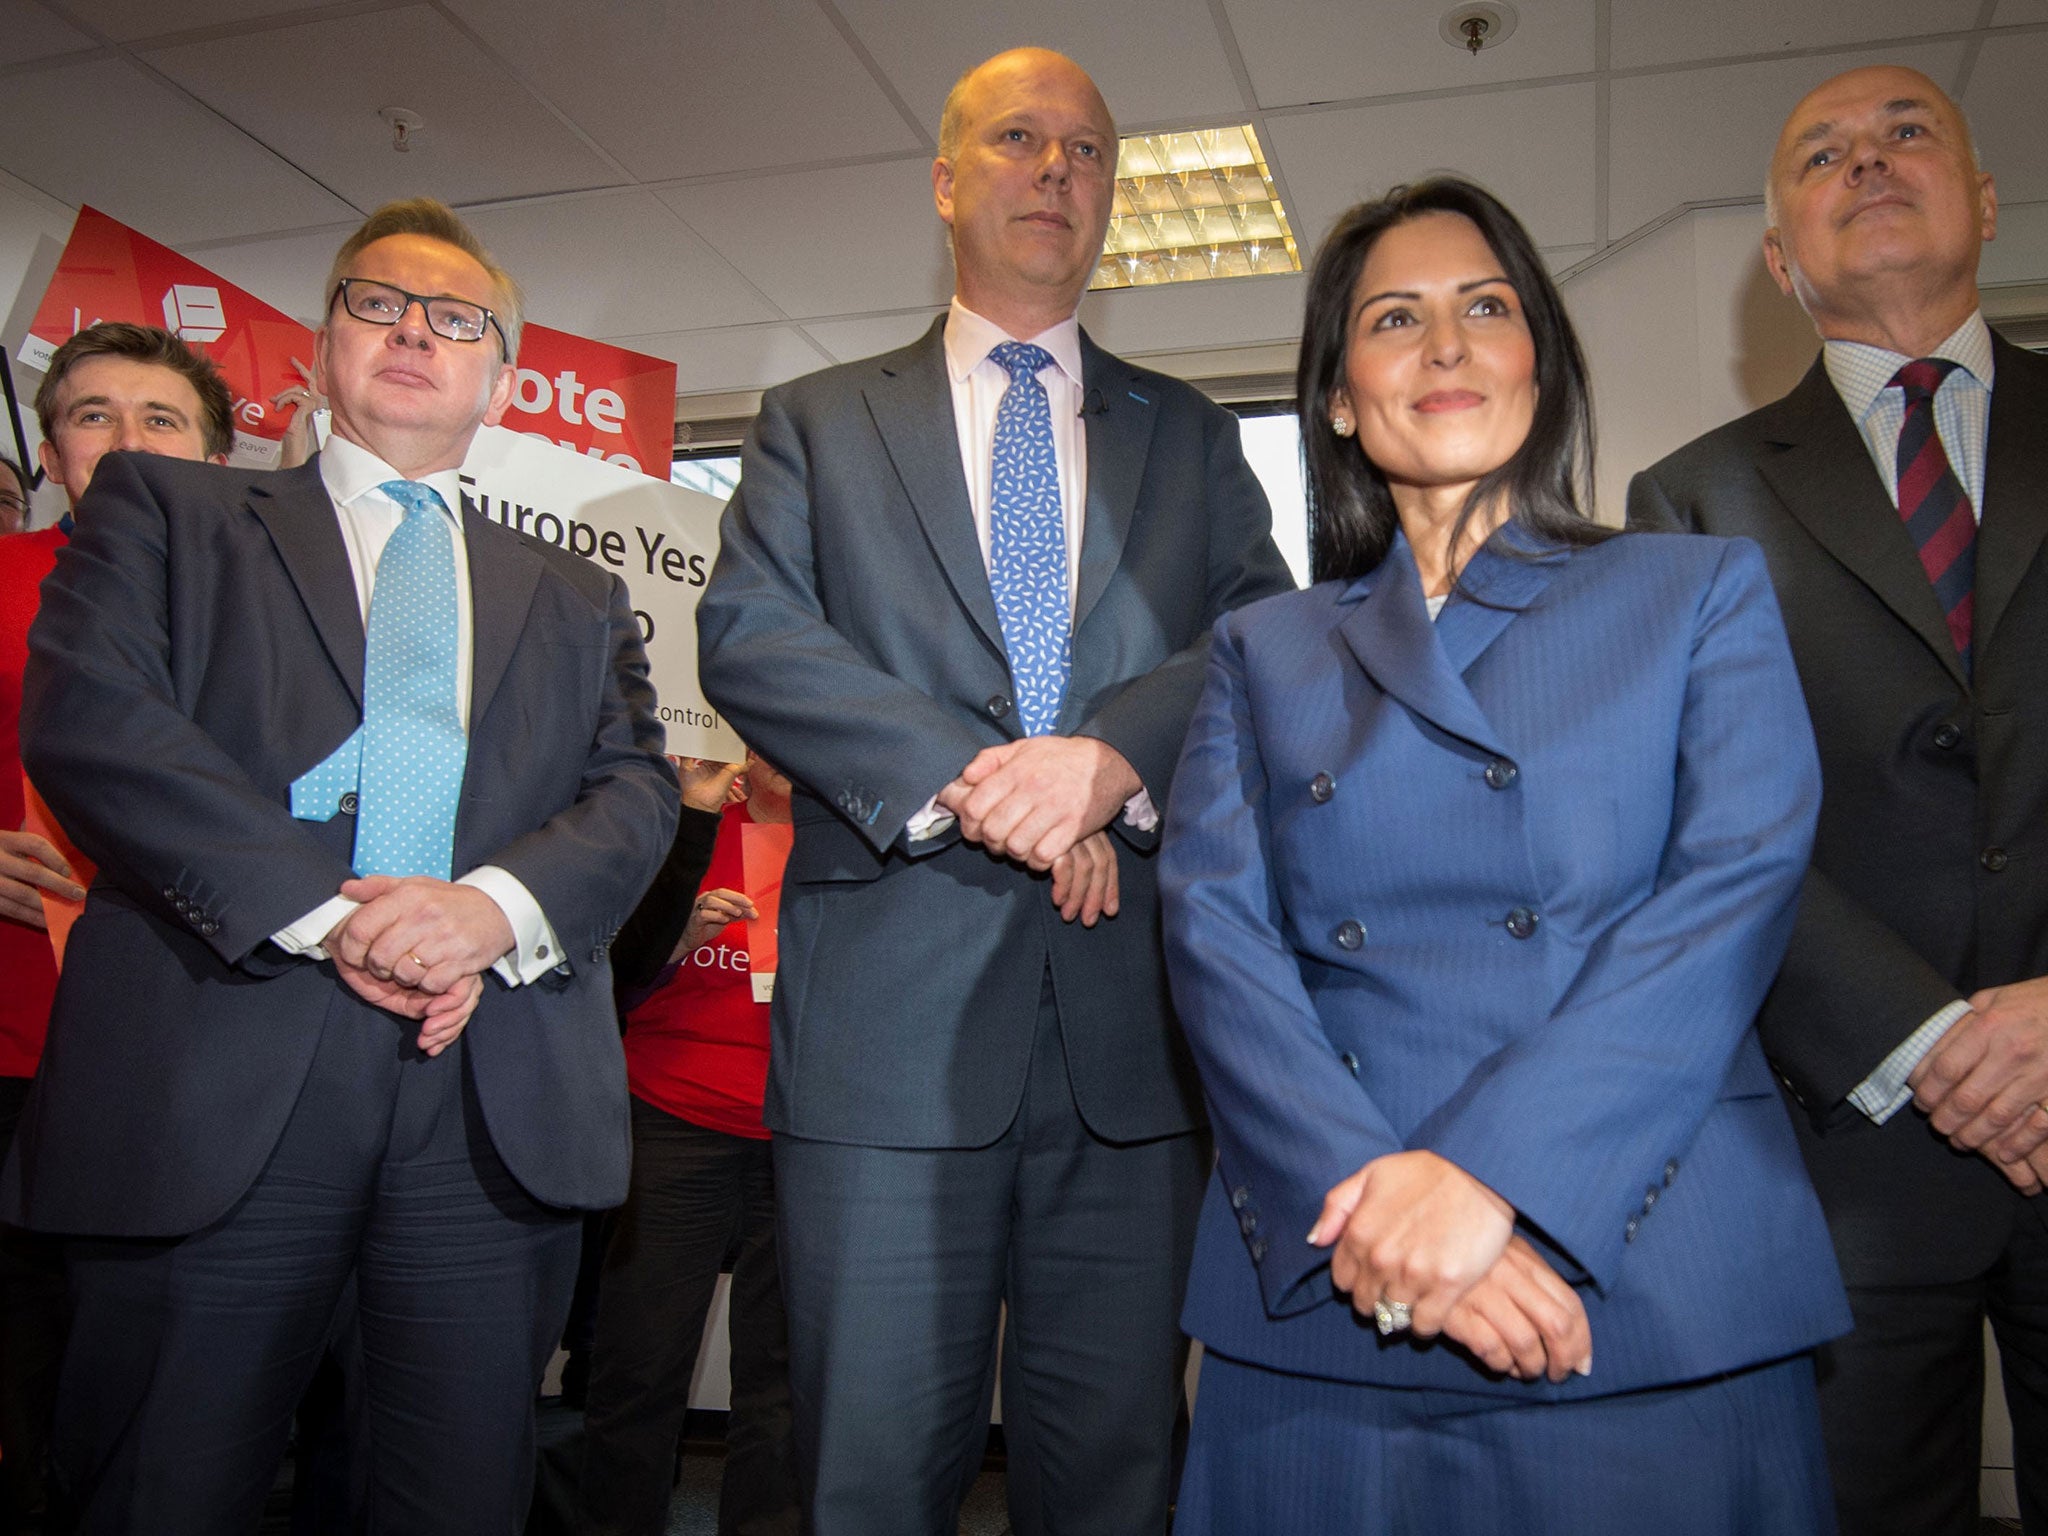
{"x": 1933, "y": 502}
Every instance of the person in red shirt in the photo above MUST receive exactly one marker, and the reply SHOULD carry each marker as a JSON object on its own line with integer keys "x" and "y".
{"x": 703, "y": 1193}
{"x": 113, "y": 385}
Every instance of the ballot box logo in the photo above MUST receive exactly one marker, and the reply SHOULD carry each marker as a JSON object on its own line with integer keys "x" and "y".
{"x": 194, "y": 312}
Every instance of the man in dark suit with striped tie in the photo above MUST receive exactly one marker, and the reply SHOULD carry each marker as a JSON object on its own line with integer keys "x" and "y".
{"x": 1900, "y": 493}
{"x": 371, "y": 782}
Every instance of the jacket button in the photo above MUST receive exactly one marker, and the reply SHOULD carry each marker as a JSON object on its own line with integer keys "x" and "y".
{"x": 1650, "y": 1198}
{"x": 1258, "y": 1249}
{"x": 349, "y": 803}
{"x": 209, "y": 928}
{"x": 1349, "y": 934}
{"x": 1947, "y": 736}
{"x": 1500, "y": 773}
{"x": 1321, "y": 787}
{"x": 171, "y": 894}
{"x": 1247, "y": 1223}
{"x": 998, "y": 705}
{"x": 597, "y": 955}
{"x": 1522, "y": 922}
{"x": 1670, "y": 1172}
{"x": 1350, "y": 1061}
{"x": 1628, "y": 1233}
{"x": 1993, "y": 859}
{"x": 1239, "y": 1197}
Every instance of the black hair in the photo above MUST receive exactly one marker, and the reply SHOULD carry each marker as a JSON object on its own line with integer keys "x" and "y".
{"x": 1547, "y": 481}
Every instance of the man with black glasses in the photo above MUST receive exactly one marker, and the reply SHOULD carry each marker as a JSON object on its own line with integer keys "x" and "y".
{"x": 371, "y": 782}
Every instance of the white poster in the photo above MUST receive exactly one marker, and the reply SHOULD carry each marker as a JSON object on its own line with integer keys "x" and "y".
{"x": 659, "y": 538}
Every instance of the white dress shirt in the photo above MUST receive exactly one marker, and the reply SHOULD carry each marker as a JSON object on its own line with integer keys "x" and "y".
{"x": 978, "y": 385}
{"x": 1862, "y": 375}
{"x": 368, "y": 518}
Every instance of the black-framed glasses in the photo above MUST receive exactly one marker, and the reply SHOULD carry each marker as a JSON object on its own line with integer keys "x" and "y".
{"x": 456, "y": 319}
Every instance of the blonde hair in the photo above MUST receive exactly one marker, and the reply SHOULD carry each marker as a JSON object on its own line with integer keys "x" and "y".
{"x": 436, "y": 221}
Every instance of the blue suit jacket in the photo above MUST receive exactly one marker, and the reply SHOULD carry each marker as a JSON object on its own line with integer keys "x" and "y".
{"x": 1507, "y": 887}
{"x": 199, "y": 646}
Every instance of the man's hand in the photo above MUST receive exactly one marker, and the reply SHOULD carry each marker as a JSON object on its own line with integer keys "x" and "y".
{"x": 424, "y": 934}
{"x": 442, "y": 1015}
{"x": 707, "y": 786}
{"x": 1522, "y": 1320}
{"x": 1982, "y": 1086}
{"x": 1084, "y": 880}
{"x": 1032, "y": 800}
{"x": 29, "y": 864}
{"x": 1412, "y": 1227}
{"x": 709, "y": 914}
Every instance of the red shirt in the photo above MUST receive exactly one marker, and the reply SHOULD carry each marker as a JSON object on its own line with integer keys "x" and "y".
{"x": 698, "y": 1048}
{"x": 28, "y": 971}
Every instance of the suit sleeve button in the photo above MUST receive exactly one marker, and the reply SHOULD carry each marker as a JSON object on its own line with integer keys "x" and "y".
{"x": 1628, "y": 1233}
{"x": 1239, "y": 1197}
{"x": 1258, "y": 1250}
{"x": 1993, "y": 859}
{"x": 998, "y": 705}
{"x": 1500, "y": 773}
{"x": 1948, "y": 736}
{"x": 170, "y": 893}
{"x": 1349, "y": 934}
{"x": 209, "y": 928}
{"x": 1670, "y": 1172}
{"x": 1321, "y": 787}
{"x": 1522, "y": 922}
{"x": 1350, "y": 1061}
{"x": 349, "y": 803}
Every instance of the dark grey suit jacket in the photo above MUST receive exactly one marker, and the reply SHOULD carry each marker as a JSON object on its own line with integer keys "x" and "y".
{"x": 200, "y": 646}
{"x": 849, "y": 633}
{"x": 1930, "y": 869}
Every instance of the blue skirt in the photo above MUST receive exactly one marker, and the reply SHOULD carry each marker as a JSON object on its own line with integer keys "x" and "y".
{"x": 1273, "y": 1454}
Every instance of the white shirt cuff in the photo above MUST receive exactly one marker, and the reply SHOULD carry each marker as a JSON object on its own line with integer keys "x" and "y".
{"x": 308, "y": 936}
{"x": 928, "y": 821}
{"x": 1140, "y": 812}
{"x": 1885, "y": 1092}
{"x": 535, "y": 950}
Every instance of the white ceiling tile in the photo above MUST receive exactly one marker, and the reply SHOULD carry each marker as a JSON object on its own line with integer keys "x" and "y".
{"x": 615, "y": 264}
{"x": 312, "y": 92}
{"x": 834, "y": 242}
{"x": 1696, "y": 135}
{"x": 283, "y": 271}
{"x": 1658, "y": 32}
{"x": 1181, "y": 317}
{"x": 699, "y": 87}
{"x": 870, "y": 335}
{"x": 2020, "y": 253}
{"x": 723, "y": 361}
{"x": 1159, "y": 64}
{"x": 168, "y": 167}
{"x": 31, "y": 31}
{"x": 127, "y": 20}
{"x": 2004, "y": 107}
{"x": 1334, "y": 159}
{"x": 2015, "y": 13}
{"x": 1334, "y": 50}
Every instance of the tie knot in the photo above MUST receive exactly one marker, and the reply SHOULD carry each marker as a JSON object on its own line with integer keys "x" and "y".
{"x": 413, "y": 495}
{"x": 1020, "y": 359}
{"x": 1922, "y": 377}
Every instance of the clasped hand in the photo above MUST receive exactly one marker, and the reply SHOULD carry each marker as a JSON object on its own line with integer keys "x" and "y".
{"x": 29, "y": 864}
{"x": 1982, "y": 1087}
{"x": 1416, "y": 1228}
{"x": 418, "y": 947}
{"x": 1044, "y": 802}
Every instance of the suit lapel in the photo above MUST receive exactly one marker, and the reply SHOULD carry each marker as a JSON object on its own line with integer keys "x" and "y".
{"x": 1824, "y": 476}
{"x": 502, "y": 576}
{"x": 1117, "y": 415}
{"x": 294, "y": 507}
{"x": 1390, "y": 632}
{"x": 912, "y": 406}
{"x": 2015, "y": 507}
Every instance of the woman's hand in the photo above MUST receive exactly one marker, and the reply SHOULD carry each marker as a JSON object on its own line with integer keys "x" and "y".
{"x": 1523, "y": 1320}
{"x": 708, "y": 786}
{"x": 709, "y": 914}
{"x": 1412, "y": 1228}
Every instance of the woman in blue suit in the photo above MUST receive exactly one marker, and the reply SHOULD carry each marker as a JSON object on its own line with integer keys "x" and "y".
{"x": 1480, "y": 857}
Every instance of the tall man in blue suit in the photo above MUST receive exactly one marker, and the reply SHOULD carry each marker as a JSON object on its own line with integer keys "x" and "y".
{"x": 371, "y": 782}
{"x": 962, "y": 598}
{"x": 1901, "y": 496}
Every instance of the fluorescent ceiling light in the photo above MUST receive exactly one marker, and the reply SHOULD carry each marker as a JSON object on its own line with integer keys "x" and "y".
{"x": 1194, "y": 205}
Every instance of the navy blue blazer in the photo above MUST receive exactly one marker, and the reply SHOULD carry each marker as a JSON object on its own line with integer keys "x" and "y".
{"x": 1509, "y": 887}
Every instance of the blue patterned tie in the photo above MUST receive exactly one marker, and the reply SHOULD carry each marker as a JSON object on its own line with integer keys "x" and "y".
{"x": 413, "y": 744}
{"x": 1028, "y": 541}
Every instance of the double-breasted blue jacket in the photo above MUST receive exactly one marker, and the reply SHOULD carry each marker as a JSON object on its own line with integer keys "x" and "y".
{"x": 1509, "y": 887}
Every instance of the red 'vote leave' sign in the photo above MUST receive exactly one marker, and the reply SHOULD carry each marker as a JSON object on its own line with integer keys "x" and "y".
{"x": 110, "y": 272}
{"x": 597, "y": 399}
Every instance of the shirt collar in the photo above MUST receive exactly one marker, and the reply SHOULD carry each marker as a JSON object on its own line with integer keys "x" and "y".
{"x": 1862, "y": 372}
{"x": 350, "y": 471}
{"x": 970, "y": 338}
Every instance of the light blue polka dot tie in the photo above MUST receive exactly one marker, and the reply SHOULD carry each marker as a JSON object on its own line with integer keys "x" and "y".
{"x": 405, "y": 764}
{"x": 1028, "y": 541}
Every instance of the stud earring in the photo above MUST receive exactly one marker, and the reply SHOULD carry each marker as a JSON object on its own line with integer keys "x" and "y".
{"x": 1340, "y": 425}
